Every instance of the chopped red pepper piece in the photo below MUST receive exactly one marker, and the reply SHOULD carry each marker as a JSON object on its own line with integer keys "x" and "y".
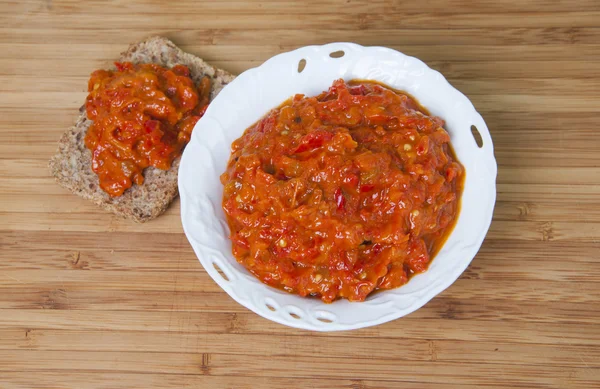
{"x": 358, "y": 90}
{"x": 313, "y": 140}
{"x": 151, "y": 125}
{"x": 366, "y": 187}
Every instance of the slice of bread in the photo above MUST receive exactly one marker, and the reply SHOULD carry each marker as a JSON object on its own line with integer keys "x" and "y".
{"x": 72, "y": 164}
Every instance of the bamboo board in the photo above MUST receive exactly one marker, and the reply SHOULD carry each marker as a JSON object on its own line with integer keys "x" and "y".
{"x": 91, "y": 301}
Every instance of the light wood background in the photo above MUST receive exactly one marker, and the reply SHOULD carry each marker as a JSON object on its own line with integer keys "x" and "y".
{"x": 91, "y": 301}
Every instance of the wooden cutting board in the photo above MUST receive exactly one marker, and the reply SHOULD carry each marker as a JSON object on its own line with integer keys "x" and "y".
{"x": 91, "y": 301}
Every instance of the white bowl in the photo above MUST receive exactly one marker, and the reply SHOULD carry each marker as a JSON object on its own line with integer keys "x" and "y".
{"x": 248, "y": 98}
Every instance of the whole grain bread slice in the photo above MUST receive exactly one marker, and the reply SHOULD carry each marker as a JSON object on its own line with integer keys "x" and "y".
{"x": 72, "y": 164}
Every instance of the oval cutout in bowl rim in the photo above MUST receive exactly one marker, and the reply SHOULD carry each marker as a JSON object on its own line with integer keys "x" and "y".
{"x": 301, "y": 65}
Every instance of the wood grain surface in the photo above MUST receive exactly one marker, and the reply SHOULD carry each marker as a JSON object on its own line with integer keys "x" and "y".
{"x": 91, "y": 301}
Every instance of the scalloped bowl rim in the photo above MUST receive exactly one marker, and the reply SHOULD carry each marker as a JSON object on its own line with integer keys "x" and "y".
{"x": 248, "y": 98}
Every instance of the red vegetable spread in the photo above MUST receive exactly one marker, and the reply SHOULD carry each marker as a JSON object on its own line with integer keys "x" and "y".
{"x": 142, "y": 116}
{"x": 342, "y": 194}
